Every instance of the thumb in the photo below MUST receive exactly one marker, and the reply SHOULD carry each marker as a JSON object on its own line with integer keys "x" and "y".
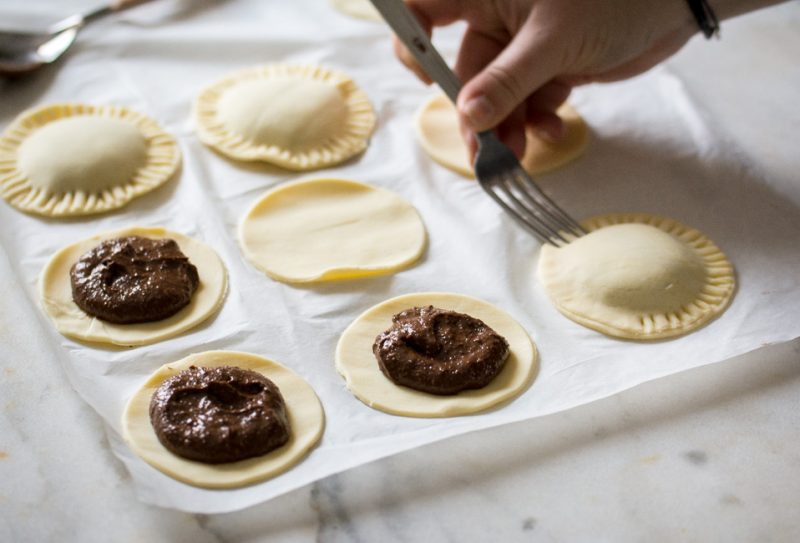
{"x": 526, "y": 64}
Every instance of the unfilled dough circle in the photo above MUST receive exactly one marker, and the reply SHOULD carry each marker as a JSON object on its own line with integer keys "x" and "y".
{"x": 68, "y": 160}
{"x": 638, "y": 276}
{"x": 296, "y": 117}
{"x": 55, "y": 291}
{"x": 303, "y": 408}
{"x": 330, "y": 229}
{"x": 356, "y": 362}
{"x": 439, "y": 135}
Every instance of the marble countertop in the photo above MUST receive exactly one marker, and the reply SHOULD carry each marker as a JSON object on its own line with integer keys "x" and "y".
{"x": 705, "y": 455}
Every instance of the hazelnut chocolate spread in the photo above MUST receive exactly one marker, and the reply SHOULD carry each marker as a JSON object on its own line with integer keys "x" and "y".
{"x": 133, "y": 279}
{"x": 218, "y": 415}
{"x": 440, "y": 352}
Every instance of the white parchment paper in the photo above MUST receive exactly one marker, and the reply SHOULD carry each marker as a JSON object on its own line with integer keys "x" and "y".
{"x": 658, "y": 145}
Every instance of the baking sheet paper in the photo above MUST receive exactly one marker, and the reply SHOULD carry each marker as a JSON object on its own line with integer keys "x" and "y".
{"x": 657, "y": 147}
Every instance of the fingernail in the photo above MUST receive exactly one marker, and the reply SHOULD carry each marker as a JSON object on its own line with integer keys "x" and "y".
{"x": 479, "y": 111}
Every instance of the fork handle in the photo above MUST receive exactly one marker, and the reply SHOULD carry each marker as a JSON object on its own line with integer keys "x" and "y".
{"x": 408, "y": 29}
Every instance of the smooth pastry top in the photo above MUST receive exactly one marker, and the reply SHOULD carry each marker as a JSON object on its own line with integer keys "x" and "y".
{"x": 82, "y": 153}
{"x": 296, "y": 117}
{"x": 289, "y": 113}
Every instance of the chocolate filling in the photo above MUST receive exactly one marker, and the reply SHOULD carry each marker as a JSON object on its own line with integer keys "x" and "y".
{"x": 133, "y": 279}
{"x": 440, "y": 352}
{"x": 218, "y": 415}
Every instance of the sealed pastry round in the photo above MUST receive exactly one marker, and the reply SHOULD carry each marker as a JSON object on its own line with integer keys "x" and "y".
{"x": 438, "y": 133}
{"x": 75, "y": 159}
{"x": 638, "y": 276}
{"x": 361, "y": 9}
{"x": 357, "y": 364}
{"x": 297, "y": 117}
{"x": 306, "y": 421}
{"x": 55, "y": 290}
{"x": 329, "y": 229}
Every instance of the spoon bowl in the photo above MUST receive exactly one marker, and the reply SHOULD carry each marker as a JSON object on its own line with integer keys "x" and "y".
{"x": 23, "y": 52}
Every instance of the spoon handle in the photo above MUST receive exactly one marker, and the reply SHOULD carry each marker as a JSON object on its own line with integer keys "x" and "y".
{"x": 118, "y": 5}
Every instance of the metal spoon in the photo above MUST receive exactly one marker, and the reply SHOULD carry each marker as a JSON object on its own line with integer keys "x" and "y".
{"x": 22, "y": 52}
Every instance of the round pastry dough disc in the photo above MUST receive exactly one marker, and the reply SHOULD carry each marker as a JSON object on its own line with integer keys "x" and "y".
{"x": 356, "y": 362}
{"x": 638, "y": 276}
{"x": 297, "y": 117}
{"x": 438, "y": 133}
{"x": 55, "y": 290}
{"x": 66, "y": 160}
{"x": 329, "y": 229}
{"x": 306, "y": 421}
{"x": 361, "y": 9}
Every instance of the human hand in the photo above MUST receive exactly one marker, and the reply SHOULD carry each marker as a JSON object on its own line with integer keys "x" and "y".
{"x": 519, "y": 59}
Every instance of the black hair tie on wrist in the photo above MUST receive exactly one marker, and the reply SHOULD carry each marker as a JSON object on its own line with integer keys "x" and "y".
{"x": 706, "y": 18}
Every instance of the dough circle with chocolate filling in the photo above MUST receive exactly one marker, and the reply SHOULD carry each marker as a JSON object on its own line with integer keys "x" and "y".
{"x": 315, "y": 230}
{"x": 439, "y": 135}
{"x": 55, "y": 290}
{"x": 303, "y": 409}
{"x": 356, "y": 362}
{"x": 638, "y": 276}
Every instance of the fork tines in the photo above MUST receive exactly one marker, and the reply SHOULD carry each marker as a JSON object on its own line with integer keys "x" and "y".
{"x": 503, "y": 178}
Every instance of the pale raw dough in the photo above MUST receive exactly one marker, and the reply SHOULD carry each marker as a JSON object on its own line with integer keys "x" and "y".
{"x": 362, "y": 9}
{"x": 297, "y": 117}
{"x": 438, "y": 133}
{"x": 330, "y": 229}
{"x": 306, "y": 421}
{"x": 638, "y": 276}
{"x": 75, "y": 159}
{"x": 55, "y": 290}
{"x": 356, "y": 362}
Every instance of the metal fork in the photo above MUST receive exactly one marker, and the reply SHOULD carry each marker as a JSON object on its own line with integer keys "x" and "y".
{"x": 497, "y": 169}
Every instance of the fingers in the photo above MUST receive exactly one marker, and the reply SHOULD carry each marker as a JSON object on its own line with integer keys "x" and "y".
{"x": 429, "y": 13}
{"x": 512, "y": 131}
{"x": 542, "y": 106}
{"x": 436, "y": 12}
{"x": 547, "y": 125}
{"x": 405, "y": 56}
{"x": 476, "y": 51}
{"x": 525, "y": 65}
{"x": 660, "y": 51}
